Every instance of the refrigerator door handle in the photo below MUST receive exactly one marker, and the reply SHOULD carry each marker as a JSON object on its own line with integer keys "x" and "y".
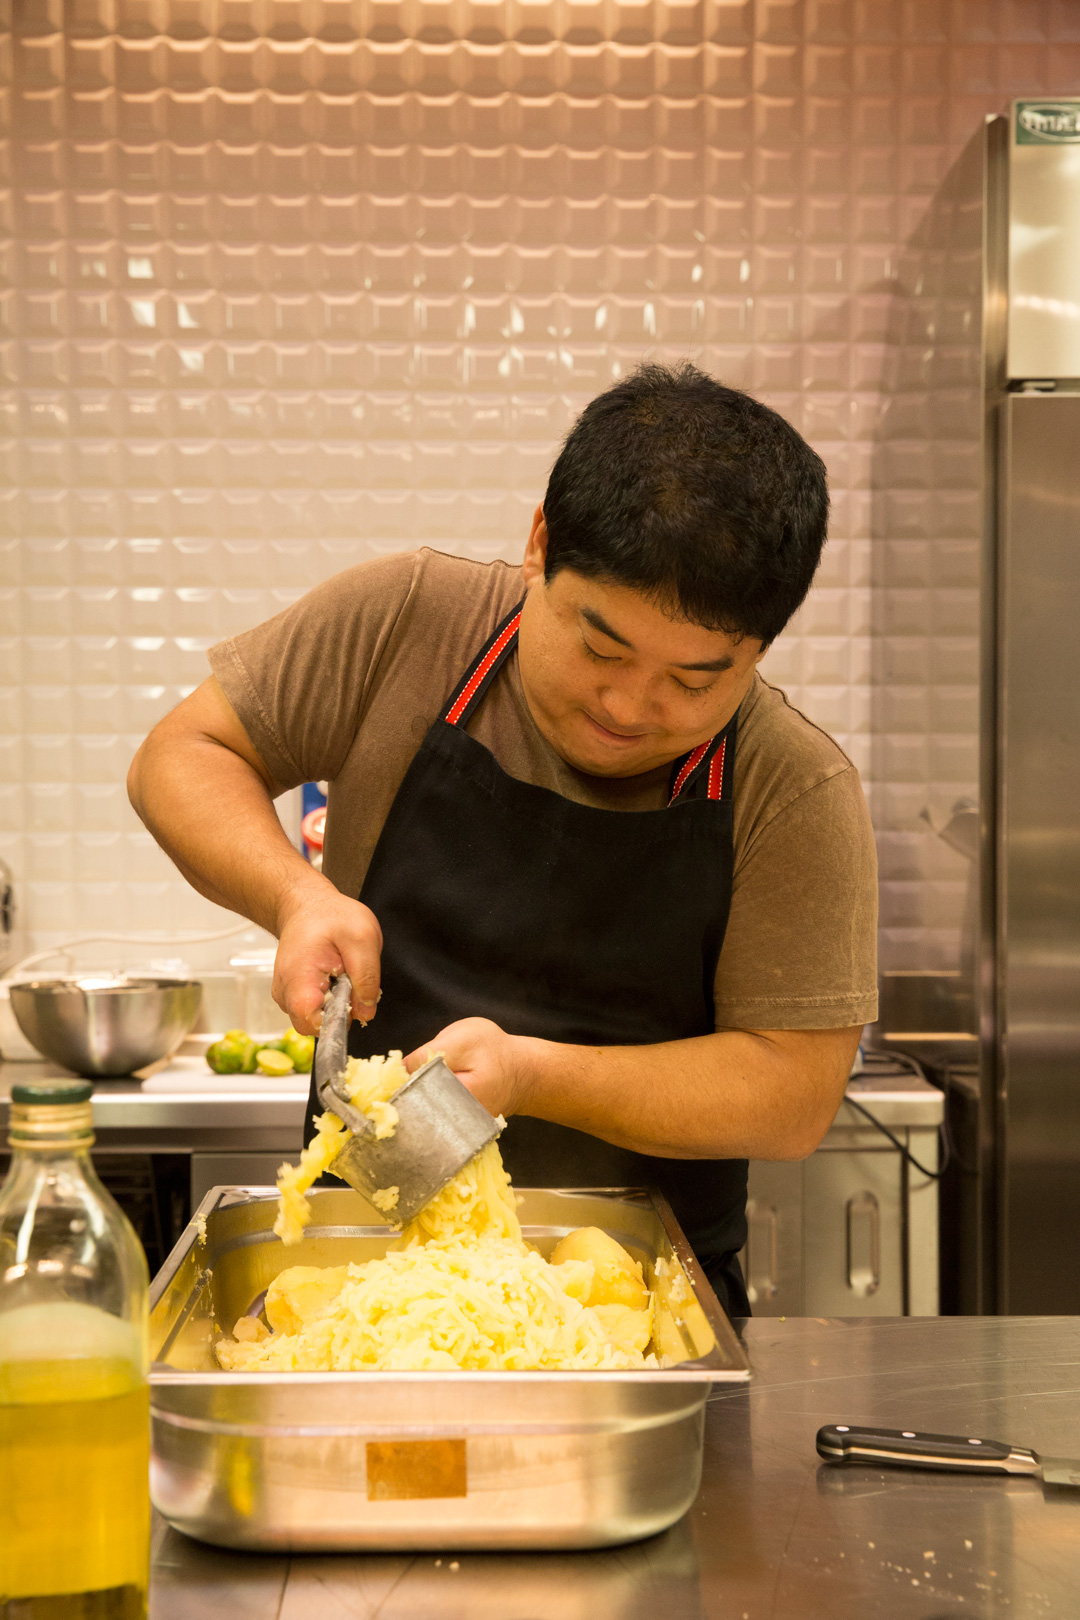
{"x": 863, "y": 1244}
{"x": 762, "y": 1251}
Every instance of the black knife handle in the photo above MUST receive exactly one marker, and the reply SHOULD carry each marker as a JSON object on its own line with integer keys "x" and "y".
{"x": 903, "y": 1448}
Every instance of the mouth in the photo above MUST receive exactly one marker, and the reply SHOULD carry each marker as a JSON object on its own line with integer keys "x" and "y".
{"x": 614, "y": 739}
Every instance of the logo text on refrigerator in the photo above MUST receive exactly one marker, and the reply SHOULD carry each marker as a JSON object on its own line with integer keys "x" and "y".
{"x": 1038, "y": 121}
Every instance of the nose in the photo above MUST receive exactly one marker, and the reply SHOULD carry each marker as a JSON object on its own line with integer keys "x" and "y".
{"x": 625, "y": 705}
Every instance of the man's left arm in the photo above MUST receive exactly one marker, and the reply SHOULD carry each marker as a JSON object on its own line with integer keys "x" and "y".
{"x": 799, "y": 954}
{"x": 738, "y": 1094}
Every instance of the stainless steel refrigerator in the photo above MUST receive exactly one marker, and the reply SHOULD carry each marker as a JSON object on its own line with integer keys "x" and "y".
{"x": 980, "y": 445}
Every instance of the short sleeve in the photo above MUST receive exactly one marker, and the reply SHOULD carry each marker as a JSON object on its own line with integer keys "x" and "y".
{"x": 300, "y": 681}
{"x": 801, "y": 945}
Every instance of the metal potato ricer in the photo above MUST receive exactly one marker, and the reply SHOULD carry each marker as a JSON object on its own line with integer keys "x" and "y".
{"x": 441, "y": 1125}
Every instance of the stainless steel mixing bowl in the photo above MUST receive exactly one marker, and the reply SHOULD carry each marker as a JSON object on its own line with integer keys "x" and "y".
{"x": 107, "y": 1025}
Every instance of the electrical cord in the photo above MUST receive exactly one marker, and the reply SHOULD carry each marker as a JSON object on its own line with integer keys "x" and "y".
{"x": 943, "y": 1135}
{"x": 889, "y": 1060}
{"x": 886, "y": 1061}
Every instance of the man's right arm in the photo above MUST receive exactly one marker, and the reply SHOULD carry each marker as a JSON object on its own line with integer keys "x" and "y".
{"x": 201, "y": 788}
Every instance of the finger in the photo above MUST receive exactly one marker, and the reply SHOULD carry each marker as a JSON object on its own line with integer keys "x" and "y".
{"x": 304, "y": 1004}
{"x": 299, "y": 988}
{"x": 360, "y": 955}
{"x": 453, "y": 1044}
{"x": 303, "y": 1021}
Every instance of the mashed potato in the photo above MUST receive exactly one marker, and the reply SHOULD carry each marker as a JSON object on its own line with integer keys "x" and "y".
{"x": 460, "y": 1288}
{"x": 368, "y": 1083}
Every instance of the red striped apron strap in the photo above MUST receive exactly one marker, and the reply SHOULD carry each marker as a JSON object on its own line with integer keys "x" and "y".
{"x": 483, "y": 669}
{"x": 708, "y": 759}
{"x": 687, "y": 768}
{"x": 716, "y": 771}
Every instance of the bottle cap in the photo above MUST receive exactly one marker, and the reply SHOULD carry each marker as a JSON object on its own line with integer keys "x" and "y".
{"x": 40, "y": 1093}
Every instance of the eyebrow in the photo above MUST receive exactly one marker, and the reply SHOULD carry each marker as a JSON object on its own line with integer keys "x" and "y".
{"x": 711, "y": 666}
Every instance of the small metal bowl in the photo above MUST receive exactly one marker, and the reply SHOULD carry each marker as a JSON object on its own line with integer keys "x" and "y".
{"x": 106, "y": 1024}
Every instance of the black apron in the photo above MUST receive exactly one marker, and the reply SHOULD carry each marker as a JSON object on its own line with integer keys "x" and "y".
{"x": 498, "y": 899}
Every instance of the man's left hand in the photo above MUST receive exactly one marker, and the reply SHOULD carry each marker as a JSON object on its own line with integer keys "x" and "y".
{"x": 493, "y": 1064}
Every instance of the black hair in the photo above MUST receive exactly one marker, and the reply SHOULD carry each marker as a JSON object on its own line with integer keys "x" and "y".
{"x": 696, "y": 494}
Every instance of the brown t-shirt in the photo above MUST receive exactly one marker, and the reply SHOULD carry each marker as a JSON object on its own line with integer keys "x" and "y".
{"x": 344, "y": 685}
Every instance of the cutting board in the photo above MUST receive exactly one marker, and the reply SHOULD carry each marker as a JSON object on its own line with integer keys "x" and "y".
{"x": 193, "y": 1074}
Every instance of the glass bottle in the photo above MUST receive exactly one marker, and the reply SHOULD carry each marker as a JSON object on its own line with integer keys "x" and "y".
{"x": 74, "y": 1398}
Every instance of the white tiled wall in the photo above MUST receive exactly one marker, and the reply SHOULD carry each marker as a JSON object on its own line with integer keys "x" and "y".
{"x": 929, "y": 595}
{"x": 926, "y": 593}
{"x": 290, "y": 283}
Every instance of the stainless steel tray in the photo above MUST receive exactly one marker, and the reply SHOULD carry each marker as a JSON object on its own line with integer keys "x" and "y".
{"x": 306, "y": 1461}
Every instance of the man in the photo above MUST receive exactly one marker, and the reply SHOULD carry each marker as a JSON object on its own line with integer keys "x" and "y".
{"x": 600, "y": 863}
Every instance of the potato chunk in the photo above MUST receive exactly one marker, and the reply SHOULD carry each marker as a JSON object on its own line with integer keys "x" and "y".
{"x": 300, "y": 1293}
{"x": 617, "y": 1278}
{"x": 627, "y": 1329}
{"x": 250, "y": 1330}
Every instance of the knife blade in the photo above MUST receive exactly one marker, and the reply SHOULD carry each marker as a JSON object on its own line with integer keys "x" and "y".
{"x": 906, "y": 1448}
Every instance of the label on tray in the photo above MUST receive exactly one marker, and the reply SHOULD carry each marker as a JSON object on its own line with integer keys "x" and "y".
{"x": 412, "y": 1470}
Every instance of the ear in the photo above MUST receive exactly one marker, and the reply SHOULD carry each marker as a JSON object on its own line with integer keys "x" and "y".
{"x": 535, "y": 549}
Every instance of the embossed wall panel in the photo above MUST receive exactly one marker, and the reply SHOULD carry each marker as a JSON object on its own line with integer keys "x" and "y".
{"x": 291, "y": 283}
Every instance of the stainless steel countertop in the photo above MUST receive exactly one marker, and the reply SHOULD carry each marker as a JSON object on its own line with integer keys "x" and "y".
{"x": 251, "y": 1115}
{"x": 247, "y": 1114}
{"x": 774, "y": 1534}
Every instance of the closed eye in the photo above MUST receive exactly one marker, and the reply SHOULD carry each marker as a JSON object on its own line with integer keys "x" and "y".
{"x": 601, "y": 658}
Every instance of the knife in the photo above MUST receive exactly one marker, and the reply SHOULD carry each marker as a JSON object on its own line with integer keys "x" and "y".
{"x": 903, "y": 1448}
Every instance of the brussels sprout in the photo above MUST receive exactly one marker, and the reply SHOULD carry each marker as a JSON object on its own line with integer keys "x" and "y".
{"x": 230, "y": 1055}
{"x": 301, "y": 1048}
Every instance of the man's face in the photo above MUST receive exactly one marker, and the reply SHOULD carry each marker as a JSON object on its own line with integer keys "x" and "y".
{"x": 616, "y": 685}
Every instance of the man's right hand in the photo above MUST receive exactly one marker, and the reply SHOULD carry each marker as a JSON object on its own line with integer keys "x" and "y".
{"x": 200, "y": 786}
{"x": 320, "y": 933}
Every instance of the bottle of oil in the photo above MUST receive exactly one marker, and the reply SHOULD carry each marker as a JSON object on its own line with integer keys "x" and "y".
{"x": 74, "y": 1400}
